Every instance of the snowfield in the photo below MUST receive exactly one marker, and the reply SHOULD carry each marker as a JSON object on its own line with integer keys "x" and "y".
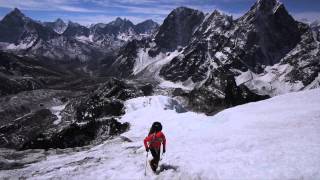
{"x": 277, "y": 138}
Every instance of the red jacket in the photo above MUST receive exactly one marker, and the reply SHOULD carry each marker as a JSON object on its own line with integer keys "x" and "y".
{"x": 155, "y": 140}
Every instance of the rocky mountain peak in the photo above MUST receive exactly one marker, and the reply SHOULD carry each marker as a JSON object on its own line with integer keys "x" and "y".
{"x": 269, "y": 30}
{"x": 12, "y": 26}
{"x": 60, "y": 21}
{"x": 267, "y": 5}
{"x": 14, "y": 16}
{"x": 59, "y": 26}
{"x": 74, "y": 29}
{"x": 265, "y": 8}
{"x": 17, "y": 12}
{"x": 182, "y": 10}
{"x": 216, "y": 13}
{"x": 121, "y": 22}
{"x": 149, "y": 21}
{"x": 178, "y": 27}
{"x": 147, "y": 26}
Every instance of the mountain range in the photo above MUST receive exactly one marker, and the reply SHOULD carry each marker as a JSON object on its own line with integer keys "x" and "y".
{"x": 62, "y": 41}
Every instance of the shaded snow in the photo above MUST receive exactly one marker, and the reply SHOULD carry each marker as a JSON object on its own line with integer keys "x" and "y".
{"x": 278, "y": 138}
{"x": 315, "y": 83}
{"x": 186, "y": 85}
{"x": 85, "y": 39}
{"x": 23, "y": 45}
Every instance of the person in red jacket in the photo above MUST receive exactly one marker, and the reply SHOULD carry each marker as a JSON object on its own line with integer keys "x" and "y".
{"x": 153, "y": 143}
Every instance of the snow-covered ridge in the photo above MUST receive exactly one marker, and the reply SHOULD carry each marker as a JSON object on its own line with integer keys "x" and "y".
{"x": 278, "y": 138}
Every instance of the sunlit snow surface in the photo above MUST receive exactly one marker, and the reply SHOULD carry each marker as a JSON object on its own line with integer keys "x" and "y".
{"x": 277, "y": 138}
{"x": 273, "y": 81}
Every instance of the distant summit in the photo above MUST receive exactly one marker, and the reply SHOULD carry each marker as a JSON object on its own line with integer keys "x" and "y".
{"x": 59, "y": 26}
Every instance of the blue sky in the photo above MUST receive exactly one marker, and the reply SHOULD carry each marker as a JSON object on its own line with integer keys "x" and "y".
{"x": 92, "y": 11}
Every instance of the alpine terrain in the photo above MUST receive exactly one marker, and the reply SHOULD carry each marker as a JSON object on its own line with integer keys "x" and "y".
{"x": 233, "y": 98}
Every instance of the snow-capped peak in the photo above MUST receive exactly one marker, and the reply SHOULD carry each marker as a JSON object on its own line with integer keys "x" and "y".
{"x": 59, "y": 26}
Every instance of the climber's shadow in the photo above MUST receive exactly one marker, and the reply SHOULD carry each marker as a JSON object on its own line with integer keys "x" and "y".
{"x": 165, "y": 167}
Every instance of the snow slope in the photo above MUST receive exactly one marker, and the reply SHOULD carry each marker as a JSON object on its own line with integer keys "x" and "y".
{"x": 277, "y": 138}
{"x": 272, "y": 82}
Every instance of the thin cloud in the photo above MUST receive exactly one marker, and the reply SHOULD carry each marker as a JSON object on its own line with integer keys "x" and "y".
{"x": 148, "y": 10}
{"x": 155, "y": 6}
{"x": 47, "y": 5}
{"x": 309, "y": 16}
{"x": 77, "y": 9}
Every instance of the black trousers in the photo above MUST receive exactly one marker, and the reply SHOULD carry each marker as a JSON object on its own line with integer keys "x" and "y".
{"x": 156, "y": 158}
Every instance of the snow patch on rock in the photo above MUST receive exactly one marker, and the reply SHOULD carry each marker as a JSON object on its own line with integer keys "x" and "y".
{"x": 152, "y": 64}
{"x": 56, "y": 110}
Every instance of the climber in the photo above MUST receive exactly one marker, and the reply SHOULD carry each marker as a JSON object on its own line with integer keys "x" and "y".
{"x": 153, "y": 143}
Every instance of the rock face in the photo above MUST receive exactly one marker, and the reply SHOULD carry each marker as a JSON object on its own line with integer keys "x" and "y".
{"x": 106, "y": 101}
{"x": 125, "y": 61}
{"x": 21, "y": 131}
{"x": 85, "y": 119}
{"x": 305, "y": 59}
{"x": 177, "y": 28}
{"x": 78, "y": 135}
{"x": 219, "y": 92}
